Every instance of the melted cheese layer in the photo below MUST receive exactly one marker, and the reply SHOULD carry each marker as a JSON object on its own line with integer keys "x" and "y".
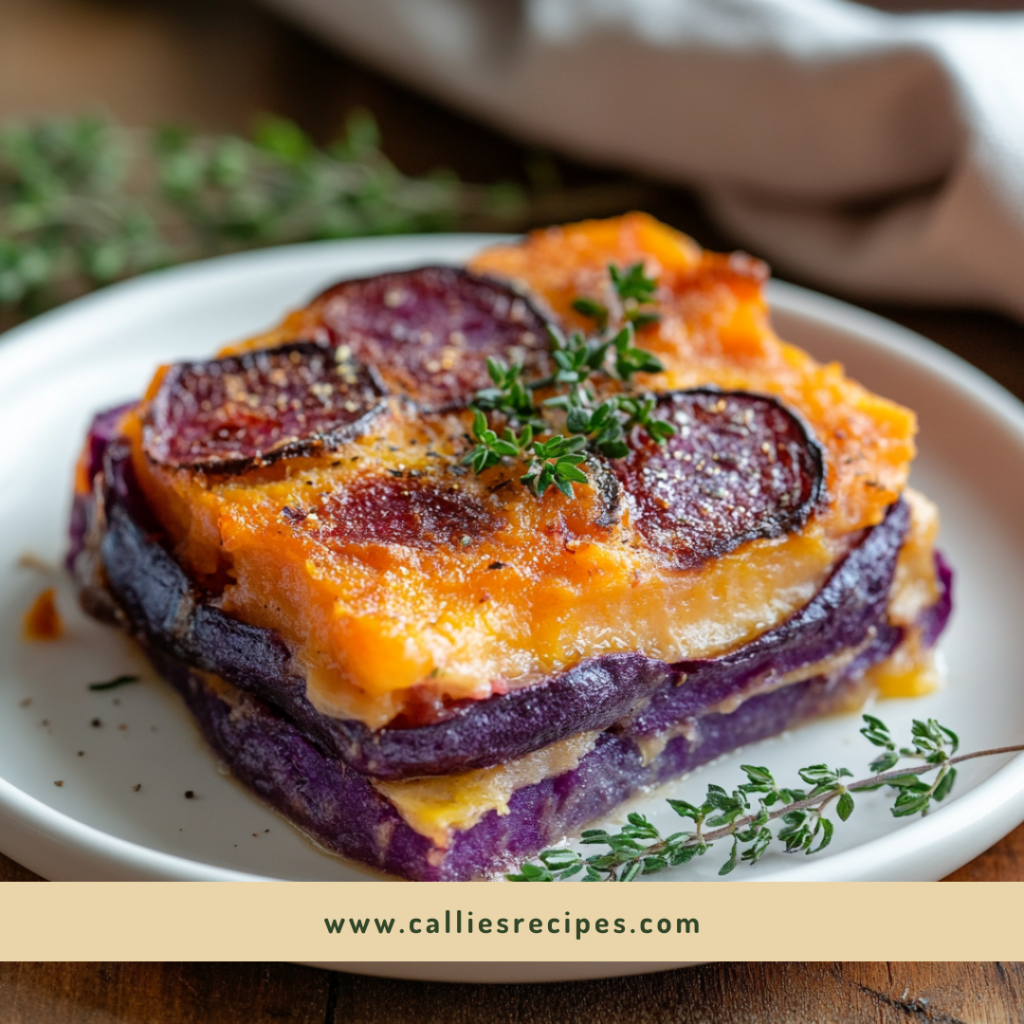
{"x": 436, "y": 807}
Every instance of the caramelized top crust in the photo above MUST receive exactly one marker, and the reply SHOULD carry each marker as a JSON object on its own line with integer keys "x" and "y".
{"x": 403, "y": 580}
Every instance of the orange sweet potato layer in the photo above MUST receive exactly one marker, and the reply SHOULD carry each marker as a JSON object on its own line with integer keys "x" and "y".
{"x": 490, "y": 587}
{"x": 714, "y": 329}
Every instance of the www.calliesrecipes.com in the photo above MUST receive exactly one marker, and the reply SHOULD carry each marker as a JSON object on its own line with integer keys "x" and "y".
{"x": 459, "y": 923}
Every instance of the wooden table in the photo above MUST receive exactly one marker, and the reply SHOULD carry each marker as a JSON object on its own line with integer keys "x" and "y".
{"x": 213, "y": 64}
{"x": 882, "y": 993}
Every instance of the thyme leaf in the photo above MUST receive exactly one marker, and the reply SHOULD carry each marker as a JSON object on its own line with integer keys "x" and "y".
{"x": 592, "y": 426}
{"x": 633, "y": 284}
{"x": 639, "y": 848}
{"x": 113, "y": 684}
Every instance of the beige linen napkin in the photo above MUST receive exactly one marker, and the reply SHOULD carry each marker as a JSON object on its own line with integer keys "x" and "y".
{"x": 877, "y": 153}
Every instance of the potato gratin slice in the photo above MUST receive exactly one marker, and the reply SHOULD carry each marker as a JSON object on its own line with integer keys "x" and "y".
{"x": 472, "y": 663}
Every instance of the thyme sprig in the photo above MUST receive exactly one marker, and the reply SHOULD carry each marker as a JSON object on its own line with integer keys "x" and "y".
{"x": 511, "y": 395}
{"x": 552, "y": 463}
{"x": 113, "y": 684}
{"x": 556, "y": 464}
{"x": 640, "y": 848}
{"x": 634, "y": 290}
{"x": 591, "y": 425}
{"x": 85, "y": 201}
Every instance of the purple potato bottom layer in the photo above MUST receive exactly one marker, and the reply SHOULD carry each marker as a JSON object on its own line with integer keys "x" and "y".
{"x": 345, "y": 813}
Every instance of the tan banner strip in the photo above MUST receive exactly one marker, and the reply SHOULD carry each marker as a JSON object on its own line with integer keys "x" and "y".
{"x": 375, "y": 922}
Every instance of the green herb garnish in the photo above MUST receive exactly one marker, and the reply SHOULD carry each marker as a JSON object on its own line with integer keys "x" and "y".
{"x": 556, "y": 464}
{"x": 113, "y": 684}
{"x": 552, "y": 463}
{"x": 639, "y": 848}
{"x": 85, "y": 201}
{"x": 634, "y": 290}
{"x": 592, "y": 426}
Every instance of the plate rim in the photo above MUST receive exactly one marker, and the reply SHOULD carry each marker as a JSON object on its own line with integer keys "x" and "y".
{"x": 500, "y": 972}
{"x": 990, "y": 809}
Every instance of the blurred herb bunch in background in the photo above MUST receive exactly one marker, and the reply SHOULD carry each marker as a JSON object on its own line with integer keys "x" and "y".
{"x": 85, "y": 201}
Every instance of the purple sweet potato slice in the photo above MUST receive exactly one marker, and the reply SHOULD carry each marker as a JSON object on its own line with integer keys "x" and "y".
{"x": 414, "y": 512}
{"x": 431, "y": 330}
{"x": 102, "y": 431}
{"x": 231, "y": 414}
{"x": 934, "y": 619}
{"x": 342, "y": 810}
{"x": 740, "y": 466}
{"x": 173, "y": 616}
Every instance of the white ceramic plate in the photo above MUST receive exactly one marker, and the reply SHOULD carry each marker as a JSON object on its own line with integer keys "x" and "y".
{"x": 56, "y": 371}
{"x": 499, "y": 972}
